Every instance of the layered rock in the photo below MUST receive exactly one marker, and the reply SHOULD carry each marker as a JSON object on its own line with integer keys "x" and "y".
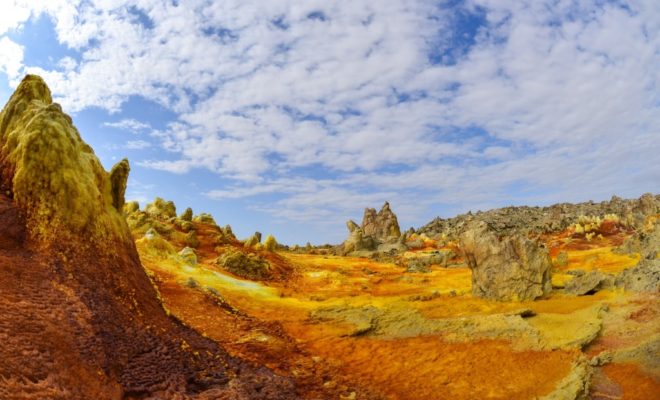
{"x": 79, "y": 318}
{"x": 505, "y": 267}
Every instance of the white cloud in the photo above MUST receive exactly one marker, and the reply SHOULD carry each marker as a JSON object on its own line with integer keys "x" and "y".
{"x": 129, "y": 124}
{"x": 552, "y": 101}
{"x": 137, "y": 144}
{"x": 11, "y": 57}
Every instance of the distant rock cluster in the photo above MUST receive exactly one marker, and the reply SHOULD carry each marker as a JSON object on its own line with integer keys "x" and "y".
{"x": 503, "y": 249}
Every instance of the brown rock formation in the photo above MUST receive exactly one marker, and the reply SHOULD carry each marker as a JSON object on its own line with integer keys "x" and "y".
{"x": 376, "y": 229}
{"x": 510, "y": 267}
{"x": 357, "y": 240}
{"x": 383, "y": 226}
{"x": 79, "y": 318}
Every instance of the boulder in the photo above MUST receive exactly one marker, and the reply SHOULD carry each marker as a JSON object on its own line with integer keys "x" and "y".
{"x": 505, "y": 268}
{"x": 161, "y": 209}
{"x": 245, "y": 265}
{"x": 589, "y": 283}
{"x": 188, "y": 255}
{"x": 644, "y": 242}
{"x": 647, "y": 205}
{"x": 644, "y": 277}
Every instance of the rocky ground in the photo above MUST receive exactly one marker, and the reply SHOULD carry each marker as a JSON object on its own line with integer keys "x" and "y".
{"x": 101, "y": 299}
{"x": 574, "y": 316}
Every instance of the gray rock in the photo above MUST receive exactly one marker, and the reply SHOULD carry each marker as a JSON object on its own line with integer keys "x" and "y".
{"x": 546, "y": 219}
{"x": 590, "y": 282}
{"x": 644, "y": 277}
{"x": 646, "y": 243}
{"x": 509, "y": 267}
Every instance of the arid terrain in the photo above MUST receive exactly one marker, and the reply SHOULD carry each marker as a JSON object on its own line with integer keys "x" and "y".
{"x": 101, "y": 298}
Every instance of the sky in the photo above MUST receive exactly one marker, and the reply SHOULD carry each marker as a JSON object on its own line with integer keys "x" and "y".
{"x": 290, "y": 117}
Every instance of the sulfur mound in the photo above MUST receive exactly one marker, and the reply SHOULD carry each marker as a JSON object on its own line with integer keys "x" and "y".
{"x": 270, "y": 243}
{"x": 511, "y": 267}
{"x": 250, "y": 266}
{"x": 52, "y": 174}
{"x": 79, "y": 318}
{"x": 161, "y": 208}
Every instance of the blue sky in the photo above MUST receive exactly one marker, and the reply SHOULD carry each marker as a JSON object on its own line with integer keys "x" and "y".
{"x": 289, "y": 117}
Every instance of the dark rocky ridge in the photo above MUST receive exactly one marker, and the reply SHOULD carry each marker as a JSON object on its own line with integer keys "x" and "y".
{"x": 546, "y": 219}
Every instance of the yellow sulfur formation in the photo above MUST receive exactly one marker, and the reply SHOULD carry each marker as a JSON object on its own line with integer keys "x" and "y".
{"x": 54, "y": 176}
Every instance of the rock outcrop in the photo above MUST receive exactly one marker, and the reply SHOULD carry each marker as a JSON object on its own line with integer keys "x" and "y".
{"x": 357, "y": 241}
{"x": 79, "y": 317}
{"x": 187, "y": 215}
{"x": 118, "y": 182}
{"x": 505, "y": 267}
{"x": 589, "y": 283}
{"x": 382, "y": 226}
{"x": 555, "y": 218}
{"x": 644, "y": 277}
{"x": 377, "y": 229}
{"x": 645, "y": 242}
